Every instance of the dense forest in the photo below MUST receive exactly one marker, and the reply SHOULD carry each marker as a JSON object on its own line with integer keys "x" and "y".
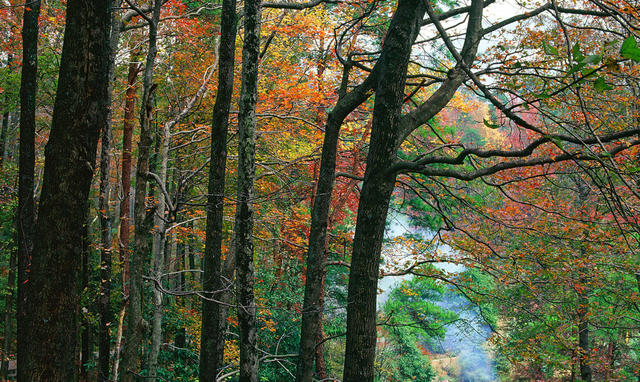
{"x": 320, "y": 190}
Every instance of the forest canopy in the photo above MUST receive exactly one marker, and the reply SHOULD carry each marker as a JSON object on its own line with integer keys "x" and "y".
{"x": 322, "y": 190}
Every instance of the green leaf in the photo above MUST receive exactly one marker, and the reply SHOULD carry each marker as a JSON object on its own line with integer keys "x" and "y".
{"x": 556, "y": 141}
{"x": 575, "y": 68}
{"x": 593, "y": 59}
{"x": 490, "y": 124}
{"x": 548, "y": 49}
{"x": 630, "y": 49}
{"x": 577, "y": 55}
{"x": 600, "y": 85}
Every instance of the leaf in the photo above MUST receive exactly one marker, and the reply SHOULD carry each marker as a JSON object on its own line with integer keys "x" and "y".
{"x": 630, "y": 49}
{"x": 576, "y": 68}
{"x": 548, "y": 49}
{"x": 577, "y": 55}
{"x": 490, "y": 124}
{"x": 556, "y": 141}
{"x": 593, "y": 59}
{"x": 600, "y": 85}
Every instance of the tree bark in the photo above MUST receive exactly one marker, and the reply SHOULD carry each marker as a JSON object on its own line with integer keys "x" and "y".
{"x": 158, "y": 251}
{"x": 389, "y": 129}
{"x": 376, "y": 192}
{"x": 135, "y": 323}
{"x": 214, "y": 322}
{"x": 80, "y": 113}
{"x": 243, "y": 231}
{"x": 312, "y": 312}
{"x": 8, "y": 316}
{"x": 6, "y": 117}
{"x": 85, "y": 325}
{"x": 25, "y": 216}
{"x": 104, "y": 300}
{"x": 125, "y": 203}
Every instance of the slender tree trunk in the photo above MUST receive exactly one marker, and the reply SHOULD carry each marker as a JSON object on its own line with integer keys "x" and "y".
{"x": 583, "y": 338}
{"x": 135, "y": 323}
{"x": 246, "y": 175}
{"x": 11, "y": 277}
{"x": 127, "y": 138}
{"x": 125, "y": 203}
{"x": 6, "y": 117}
{"x": 85, "y": 326}
{"x": 3, "y": 137}
{"x": 213, "y": 320}
{"x": 80, "y": 113}
{"x": 25, "y": 216}
{"x": 312, "y": 308}
{"x": 158, "y": 251}
{"x": 376, "y": 192}
{"x": 118, "y": 345}
{"x": 104, "y": 300}
{"x": 8, "y": 316}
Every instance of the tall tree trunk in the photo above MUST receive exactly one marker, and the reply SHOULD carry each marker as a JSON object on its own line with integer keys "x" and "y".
{"x": 11, "y": 277}
{"x": 6, "y": 117}
{"x": 8, "y": 316}
{"x": 583, "y": 336}
{"x": 3, "y": 137}
{"x": 25, "y": 216}
{"x": 85, "y": 325}
{"x": 214, "y": 322}
{"x": 135, "y": 323}
{"x": 388, "y": 130}
{"x": 158, "y": 251}
{"x": 80, "y": 113}
{"x": 376, "y": 192}
{"x": 104, "y": 300}
{"x": 312, "y": 306}
{"x": 243, "y": 231}
{"x": 125, "y": 203}
{"x": 127, "y": 138}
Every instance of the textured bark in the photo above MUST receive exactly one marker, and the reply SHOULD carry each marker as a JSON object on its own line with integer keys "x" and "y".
{"x": 389, "y": 128}
{"x": 3, "y": 138}
{"x": 376, "y": 193}
{"x": 214, "y": 322}
{"x": 158, "y": 252}
{"x": 80, "y": 113}
{"x": 312, "y": 311}
{"x": 243, "y": 232}
{"x": 125, "y": 203}
{"x": 8, "y": 316}
{"x": 104, "y": 300}
{"x": 85, "y": 326}
{"x": 127, "y": 138}
{"x": 25, "y": 216}
{"x": 6, "y": 117}
{"x": 135, "y": 323}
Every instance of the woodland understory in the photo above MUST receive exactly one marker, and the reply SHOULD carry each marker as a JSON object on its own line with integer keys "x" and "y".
{"x": 320, "y": 190}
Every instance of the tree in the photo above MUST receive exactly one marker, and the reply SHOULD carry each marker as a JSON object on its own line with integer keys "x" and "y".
{"x": 25, "y": 216}
{"x": 214, "y": 311}
{"x": 135, "y": 322}
{"x": 80, "y": 113}
{"x": 243, "y": 230}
